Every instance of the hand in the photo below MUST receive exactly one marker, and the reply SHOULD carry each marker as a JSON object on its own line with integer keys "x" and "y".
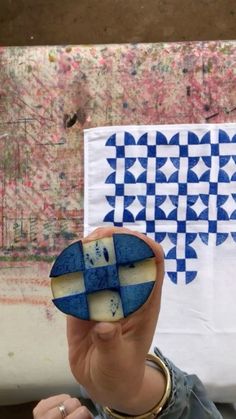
{"x": 108, "y": 359}
{"x": 49, "y": 408}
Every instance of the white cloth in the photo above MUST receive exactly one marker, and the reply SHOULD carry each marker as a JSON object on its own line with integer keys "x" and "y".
{"x": 177, "y": 183}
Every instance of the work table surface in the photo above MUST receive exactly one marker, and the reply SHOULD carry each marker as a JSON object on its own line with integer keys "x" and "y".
{"x": 48, "y": 96}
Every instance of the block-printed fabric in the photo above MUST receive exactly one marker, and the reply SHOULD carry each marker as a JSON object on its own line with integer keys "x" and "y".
{"x": 176, "y": 183}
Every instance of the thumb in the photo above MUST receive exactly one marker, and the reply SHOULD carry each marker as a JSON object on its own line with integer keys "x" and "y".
{"x": 107, "y": 337}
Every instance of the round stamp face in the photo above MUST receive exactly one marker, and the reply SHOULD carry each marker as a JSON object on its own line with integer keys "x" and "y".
{"x": 105, "y": 279}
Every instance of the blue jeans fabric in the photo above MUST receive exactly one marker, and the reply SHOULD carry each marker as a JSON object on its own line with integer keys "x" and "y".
{"x": 188, "y": 398}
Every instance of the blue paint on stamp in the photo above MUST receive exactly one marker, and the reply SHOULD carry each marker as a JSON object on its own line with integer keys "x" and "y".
{"x": 134, "y": 296}
{"x": 101, "y": 278}
{"x": 129, "y": 248}
{"x": 74, "y": 305}
{"x": 70, "y": 260}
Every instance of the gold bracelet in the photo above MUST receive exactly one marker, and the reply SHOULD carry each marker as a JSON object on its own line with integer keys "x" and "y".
{"x": 156, "y": 409}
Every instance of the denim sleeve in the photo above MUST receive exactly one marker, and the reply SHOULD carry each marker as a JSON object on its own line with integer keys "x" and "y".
{"x": 188, "y": 398}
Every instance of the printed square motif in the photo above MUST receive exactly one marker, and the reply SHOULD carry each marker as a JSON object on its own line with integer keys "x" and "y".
{"x": 181, "y": 179}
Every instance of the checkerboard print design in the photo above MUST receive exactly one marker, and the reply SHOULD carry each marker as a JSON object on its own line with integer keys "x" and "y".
{"x": 183, "y": 188}
{"x": 85, "y": 270}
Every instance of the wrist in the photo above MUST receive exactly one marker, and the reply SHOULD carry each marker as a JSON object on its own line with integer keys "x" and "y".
{"x": 153, "y": 392}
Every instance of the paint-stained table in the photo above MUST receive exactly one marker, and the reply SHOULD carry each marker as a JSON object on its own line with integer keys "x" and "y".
{"x": 48, "y": 95}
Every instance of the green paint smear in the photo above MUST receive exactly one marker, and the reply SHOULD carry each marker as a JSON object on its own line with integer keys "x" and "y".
{"x": 226, "y": 49}
{"x": 11, "y": 354}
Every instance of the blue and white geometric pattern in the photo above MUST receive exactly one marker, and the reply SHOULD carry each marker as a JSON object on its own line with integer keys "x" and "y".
{"x": 179, "y": 187}
{"x": 109, "y": 265}
{"x": 177, "y": 184}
